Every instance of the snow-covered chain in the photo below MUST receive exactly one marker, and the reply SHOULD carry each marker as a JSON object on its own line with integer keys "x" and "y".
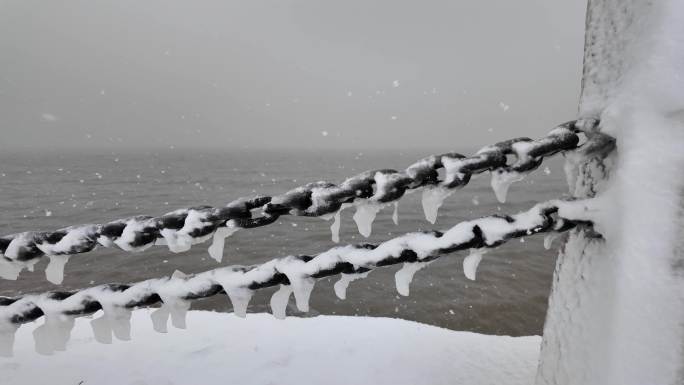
{"x": 295, "y": 274}
{"x": 180, "y": 229}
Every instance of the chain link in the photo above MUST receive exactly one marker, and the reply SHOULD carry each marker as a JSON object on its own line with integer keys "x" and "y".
{"x": 182, "y": 228}
{"x": 296, "y": 272}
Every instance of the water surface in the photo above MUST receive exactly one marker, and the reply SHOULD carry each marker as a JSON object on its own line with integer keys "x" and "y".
{"x": 46, "y": 191}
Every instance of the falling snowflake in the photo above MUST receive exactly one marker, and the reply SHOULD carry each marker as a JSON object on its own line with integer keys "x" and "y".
{"x": 46, "y": 117}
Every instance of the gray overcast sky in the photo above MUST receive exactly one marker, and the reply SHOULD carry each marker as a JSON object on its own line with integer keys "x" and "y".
{"x": 285, "y": 73}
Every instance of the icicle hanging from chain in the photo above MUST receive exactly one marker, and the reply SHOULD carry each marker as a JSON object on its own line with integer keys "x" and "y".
{"x": 368, "y": 191}
{"x": 294, "y": 274}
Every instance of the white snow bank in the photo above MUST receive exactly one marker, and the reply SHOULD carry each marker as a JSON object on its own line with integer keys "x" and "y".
{"x": 220, "y": 348}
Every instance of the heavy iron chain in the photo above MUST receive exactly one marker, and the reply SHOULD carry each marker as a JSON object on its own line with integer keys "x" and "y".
{"x": 298, "y": 272}
{"x": 314, "y": 199}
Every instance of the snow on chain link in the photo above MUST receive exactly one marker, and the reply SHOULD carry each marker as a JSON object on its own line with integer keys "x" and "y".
{"x": 368, "y": 191}
{"x": 298, "y": 273}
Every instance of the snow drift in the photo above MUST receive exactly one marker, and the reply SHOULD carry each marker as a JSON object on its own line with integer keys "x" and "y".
{"x": 220, "y": 348}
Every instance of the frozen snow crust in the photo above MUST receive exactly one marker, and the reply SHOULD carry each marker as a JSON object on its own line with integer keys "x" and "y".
{"x": 219, "y": 348}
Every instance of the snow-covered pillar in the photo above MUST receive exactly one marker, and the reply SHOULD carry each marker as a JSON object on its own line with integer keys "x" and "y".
{"x": 616, "y": 310}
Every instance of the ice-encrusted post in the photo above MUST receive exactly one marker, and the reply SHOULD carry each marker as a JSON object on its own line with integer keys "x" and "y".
{"x": 616, "y": 310}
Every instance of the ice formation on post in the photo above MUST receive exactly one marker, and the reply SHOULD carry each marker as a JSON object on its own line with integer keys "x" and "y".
{"x": 628, "y": 280}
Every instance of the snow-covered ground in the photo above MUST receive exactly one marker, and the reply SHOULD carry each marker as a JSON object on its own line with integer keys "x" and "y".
{"x": 219, "y": 348}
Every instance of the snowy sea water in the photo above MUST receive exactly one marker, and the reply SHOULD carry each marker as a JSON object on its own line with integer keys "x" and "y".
{"x": 47, "y": 191}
